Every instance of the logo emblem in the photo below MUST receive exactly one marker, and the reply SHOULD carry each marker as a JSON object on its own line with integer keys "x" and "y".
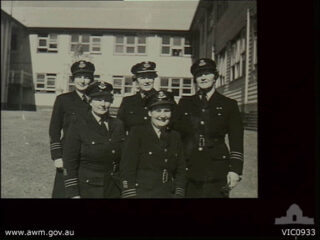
{"x": 146, "y": 65}
{"x": 82, "y": 64}
{"x": 294, "y": 216}
{"x": 202, "y": 63}
{"x": 102, "y": 85}
{"x": 161, "y": 95}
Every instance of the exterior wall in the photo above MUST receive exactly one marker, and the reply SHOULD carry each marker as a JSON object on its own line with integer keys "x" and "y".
{"x": 17, "y": 89}
{"x": 215, "y": 26}
{"x": 6, "y": 25}
{"x": 107, "y": 63}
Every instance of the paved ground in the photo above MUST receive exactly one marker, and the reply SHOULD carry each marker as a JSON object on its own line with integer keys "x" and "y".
{"x": 28, "y": 172}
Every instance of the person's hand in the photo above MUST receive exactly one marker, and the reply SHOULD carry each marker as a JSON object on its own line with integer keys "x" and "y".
{"x": 76, "y": 197}
{"x": 233, "y": 179}
{"x": 58, "y": 163}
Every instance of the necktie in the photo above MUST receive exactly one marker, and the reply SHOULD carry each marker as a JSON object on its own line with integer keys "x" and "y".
{"x": 204, "y": 101}
{"x": 163, "y": 138}
{"x": 103, "y": 126}
{"x": 84, "y": 99}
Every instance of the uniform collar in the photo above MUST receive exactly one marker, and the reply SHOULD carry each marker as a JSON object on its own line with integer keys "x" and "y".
{"x": 81, "y": 95}
{"x": 210, "y": 93}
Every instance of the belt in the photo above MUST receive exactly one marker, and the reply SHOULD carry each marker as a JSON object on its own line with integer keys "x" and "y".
{"x": 208, "y": 142}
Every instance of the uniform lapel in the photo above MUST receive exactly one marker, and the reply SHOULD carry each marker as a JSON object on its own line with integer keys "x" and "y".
{"x": 93, "y": 124}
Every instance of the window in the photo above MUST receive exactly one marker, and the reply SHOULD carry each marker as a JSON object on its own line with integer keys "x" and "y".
{"x": 175, "y": 46}
{"x": 255, "y": 49}
{"x": 130, "y": 45}
{"x": 46, "y": 82}
{"x": 123, "y": 86}
{"x": 71, "y": 83}
{"x": 47, "y": 43}
{"x": 178, "y": 86}
{"x": 86, "y": 43}
{"x": 238, "y": 57}
{"x": 222, "y": 68}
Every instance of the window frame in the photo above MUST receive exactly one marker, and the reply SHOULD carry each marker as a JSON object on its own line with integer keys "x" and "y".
{"x": 91, "y": 43}
{"x": 181, "y": 86}
{"x": 123, "y": 86}
{"x": 49, "y": 40}
{"x": 47, "y": 78}
{"x": 171, "y": 46}
{"x": 135, "y": 45}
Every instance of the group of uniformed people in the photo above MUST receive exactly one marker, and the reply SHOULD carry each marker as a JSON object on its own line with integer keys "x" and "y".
{"x": 154, "y": 148}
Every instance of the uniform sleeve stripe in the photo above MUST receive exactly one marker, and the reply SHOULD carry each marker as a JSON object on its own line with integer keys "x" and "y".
{"x": 71, "y": 184}
{"x": 71, "y": 179}
{"x": 55, "y": 148}
{"x": 239, "y": 158}
{"x": 129, "y": 195}
{"x": 128, "y": 191}
{"x": 52, "y": 144}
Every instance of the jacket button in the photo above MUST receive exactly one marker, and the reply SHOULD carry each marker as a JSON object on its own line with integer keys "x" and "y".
{"x": 202, "y": 122}
{"x": 145, "y": 108}
{"x": 219, "y": 114}
{"x": 203, "y": 110}
{"x": 165, "y": 160}
{"x": 93, "y": 142}
{"x": 113, "y": 151}
{"x": 109, "y": 139}
{"x": 187, "y": 169}
{"x": 150, "y": 153}
{"x": 137, "y": 184}
{"x": 87, "y": 180}
{"x": 223, "y": 156}
{"x": 200, "y": 149}
{"x": 166, "y": 150}
{"x": 145, "y": 118}
{"x": 111, "y": 174}
{"x": 186, "y": 113}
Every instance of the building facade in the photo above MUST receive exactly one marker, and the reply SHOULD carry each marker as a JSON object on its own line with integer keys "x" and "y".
{"x": 113, "y": 53}
{"x": 17, "y": 88}
{"x": 226, "y": 31}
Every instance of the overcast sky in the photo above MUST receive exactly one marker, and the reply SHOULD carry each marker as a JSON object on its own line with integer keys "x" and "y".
{"x": 73, "y": 4}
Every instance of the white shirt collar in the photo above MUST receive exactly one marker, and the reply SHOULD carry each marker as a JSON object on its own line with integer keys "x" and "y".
{"x": 210, "y": 93}
{"x": 99, "y": 119}
{"x": 81, "y": 95}
{"x": 157, "y": 130}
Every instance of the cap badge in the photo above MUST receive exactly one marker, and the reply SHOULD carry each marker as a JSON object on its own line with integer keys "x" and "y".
{"x": 102, "y": 85}
{"x": 146, "y": 65}
{"x": 161, "y": 95}
{"x": 202, "y": 63}
{"x": 82, "y": 64}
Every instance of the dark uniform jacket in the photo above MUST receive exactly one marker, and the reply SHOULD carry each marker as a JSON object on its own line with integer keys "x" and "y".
{"x": 91, "y": 158}
{"x": 203, "y": 132}
{"x": 133, "y": 112}
{"x": 150, "y": 167}
{"x": 67, "y": 108}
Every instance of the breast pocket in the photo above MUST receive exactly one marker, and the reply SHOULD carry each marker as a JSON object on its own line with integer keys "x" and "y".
{"x": 95, "y": 149}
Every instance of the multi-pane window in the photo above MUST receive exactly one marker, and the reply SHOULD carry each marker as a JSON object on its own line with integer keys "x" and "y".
{"x": 175, "y": 46}
{"x": 255, "y": 49}
{"x": 130, "y": 45}
{"x": 222, "y": 68}
{"x": 238, "y": 57}
{"x": 46, "y": 82}
{"x": 123, "y": 86}
{"x": 86, "y": 43}
{"x": 47, "y": 43}
{"x": 178, "y": 86}
{"x": 71, "y": 82}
